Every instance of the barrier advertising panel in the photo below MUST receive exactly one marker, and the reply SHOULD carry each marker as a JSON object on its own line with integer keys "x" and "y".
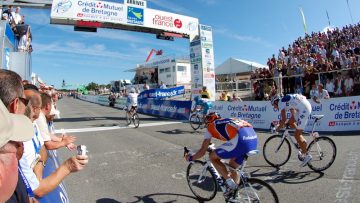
{"x": 341, "y": 114}
{"x": 165, "y": 108}
{"x": 162, "y": 93}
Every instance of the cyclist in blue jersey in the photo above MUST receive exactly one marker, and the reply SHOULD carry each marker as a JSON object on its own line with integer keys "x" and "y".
{"x": 204, "y": 103}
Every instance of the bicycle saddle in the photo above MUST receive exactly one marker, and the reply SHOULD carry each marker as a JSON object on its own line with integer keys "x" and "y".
{"x": 318, "y": 116}
{"x": 253, "y": 153}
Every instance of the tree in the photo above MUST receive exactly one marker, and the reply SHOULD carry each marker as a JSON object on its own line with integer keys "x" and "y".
{"x": 92, "y": 86}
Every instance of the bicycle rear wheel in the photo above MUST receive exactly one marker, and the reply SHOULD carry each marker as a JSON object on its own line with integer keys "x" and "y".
{"x": 136, "y": 120}
{"x": 277, "y": 152}
{"x": 201, "y": 181}
{"x": 256, "y": 190}
{"x": 323, "y": 152}
{"x": 195, "y": 121}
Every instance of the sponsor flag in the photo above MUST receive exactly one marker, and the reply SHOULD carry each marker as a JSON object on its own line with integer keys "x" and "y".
{"x": 304, "y": 20}
{"x": 327, "y": 14}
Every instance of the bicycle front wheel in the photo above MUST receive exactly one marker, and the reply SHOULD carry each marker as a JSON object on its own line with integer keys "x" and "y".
{"x": 136, "y": 120}
{"x": 257, "y": 190}
{"x": 201, "y": 180}
{"x": 195, "y": 121}
{"x": 277, "y": 151}
{"x": 323, "y": 152}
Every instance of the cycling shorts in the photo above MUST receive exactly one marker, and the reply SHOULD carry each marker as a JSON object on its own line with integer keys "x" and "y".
{"x": 244, "y": 142}
{"x": 302, "y": 116}
{"x": 132, "y": 107}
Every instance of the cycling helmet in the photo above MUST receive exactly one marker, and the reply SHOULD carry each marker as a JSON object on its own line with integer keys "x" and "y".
{"x": 196, "y": 99}
{"x": 132, "y": 90}
{"x": 212, "y": 117}
{"x": 274, "y": 98}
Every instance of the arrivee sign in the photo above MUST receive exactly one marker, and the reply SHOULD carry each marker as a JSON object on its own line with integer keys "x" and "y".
{"x": 138, "y": 3}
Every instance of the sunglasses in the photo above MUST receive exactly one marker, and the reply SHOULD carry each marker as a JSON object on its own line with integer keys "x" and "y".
{"x": 24, "y": 100}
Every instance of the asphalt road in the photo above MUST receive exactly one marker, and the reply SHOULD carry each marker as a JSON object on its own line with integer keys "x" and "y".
{"x": 130, "y": 165}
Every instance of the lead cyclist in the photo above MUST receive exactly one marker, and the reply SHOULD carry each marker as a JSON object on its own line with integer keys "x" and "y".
{"x": 300, "y": 109}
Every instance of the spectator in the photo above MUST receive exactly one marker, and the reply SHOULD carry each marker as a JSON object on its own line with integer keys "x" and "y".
{"x": 51, "y": 141}
{"x": 146, "y": 86}
{"x": 12, "y": 96}
{"x": 11, "y": 138}
{"x": 339, "y": 85}
{"x": 205, "y": 94}
{"x": 349, "y": 85}
{"x": 299, "y": 90}
{"x": 313, "y": 91}
{"x": 330, "y": 87}
{"x": 17, "y": 16}
{"x": 223, "y": 96}
{"x": 236, "y": 98}
{"x": 162, "y": 85}
{"x": 322, "y": 93}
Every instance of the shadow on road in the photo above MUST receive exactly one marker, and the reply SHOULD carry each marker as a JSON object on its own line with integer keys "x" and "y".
{"x": 179, "y": 132}
{"x": 287, "y": 176}
{"x": 106, "y": 200}
{"x": 151, "y": 198}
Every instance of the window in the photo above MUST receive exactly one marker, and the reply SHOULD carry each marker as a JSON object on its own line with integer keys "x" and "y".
{"x": 174, "y": 69}
{"x": 168, "y": 76}
{"x": 181, "y": 68}
{"x": 161, "y": 70}
{"x": 167, "y": 70}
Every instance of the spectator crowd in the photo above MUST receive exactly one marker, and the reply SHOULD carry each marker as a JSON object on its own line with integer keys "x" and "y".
{"x": 330, "y": 59}
{"x": 19, "y": 27}
{"x": 27, "y": 113}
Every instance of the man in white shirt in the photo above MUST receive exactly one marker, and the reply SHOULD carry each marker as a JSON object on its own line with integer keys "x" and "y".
{"x": 349, "y": 84}
{"x": 313, "y": 91}
{"x": 321, "y": 94}
{"x": 162, "y": 85}
{"x": 330, "y": 87}
{"x": 51, "y": 141}
{"x": 17, "y": 16}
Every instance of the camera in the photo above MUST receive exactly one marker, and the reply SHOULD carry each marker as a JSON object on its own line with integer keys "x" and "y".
{"x": 81, "y": 150}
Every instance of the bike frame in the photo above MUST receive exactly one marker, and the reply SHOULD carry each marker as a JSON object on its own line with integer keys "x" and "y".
{"x": 218, "y": 177}
{"x": 286, "y": 134}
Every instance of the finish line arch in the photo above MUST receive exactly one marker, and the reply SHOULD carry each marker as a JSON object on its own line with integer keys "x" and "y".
{"x": 133, "y": 15}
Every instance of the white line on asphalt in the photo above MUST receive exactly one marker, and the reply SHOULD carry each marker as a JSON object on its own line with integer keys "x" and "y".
{"x": 80, "y": 130}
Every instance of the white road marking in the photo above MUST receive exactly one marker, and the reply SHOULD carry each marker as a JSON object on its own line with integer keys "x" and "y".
{"x": 80, "y": 130}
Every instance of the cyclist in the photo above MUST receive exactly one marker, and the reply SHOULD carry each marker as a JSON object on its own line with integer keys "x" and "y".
{"x": 300, "y": 109}
{"x": 204, "y": 103}
{"x": 239, "y": 137}
{"x": 132, "y": 101}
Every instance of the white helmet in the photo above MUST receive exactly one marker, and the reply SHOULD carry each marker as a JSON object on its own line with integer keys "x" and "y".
{"x": 132, "y": 90}
{"x": 274, "y": 98}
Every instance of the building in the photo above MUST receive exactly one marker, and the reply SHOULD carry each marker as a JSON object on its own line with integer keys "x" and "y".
{"x": 170, "y": 70}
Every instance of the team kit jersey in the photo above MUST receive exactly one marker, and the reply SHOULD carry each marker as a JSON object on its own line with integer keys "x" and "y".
{"x": 299, "y": 103}
{"x": 239, "y": 137}
{"x": 206, "y": 105}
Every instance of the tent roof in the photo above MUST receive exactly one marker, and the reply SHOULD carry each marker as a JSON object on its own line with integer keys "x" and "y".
{"x": 232, "y": 66}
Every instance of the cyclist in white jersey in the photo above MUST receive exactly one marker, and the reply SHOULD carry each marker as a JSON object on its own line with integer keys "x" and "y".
{"x": 300, "y": 109}
{"x": 132, "y": 101}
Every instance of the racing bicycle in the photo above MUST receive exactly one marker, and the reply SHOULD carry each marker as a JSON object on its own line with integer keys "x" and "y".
{"x": 134, "y": 118}
{"x": 197, "y": 119}
{"x": 277, "y": 149}
{"x": 204, "y": 181}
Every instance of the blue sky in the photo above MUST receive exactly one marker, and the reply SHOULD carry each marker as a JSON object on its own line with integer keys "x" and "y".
{"x": 250, "y": 30}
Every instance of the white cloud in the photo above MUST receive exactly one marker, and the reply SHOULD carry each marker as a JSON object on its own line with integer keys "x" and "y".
{"x": 208, "y": 2}
{"x": 243, "y": 38}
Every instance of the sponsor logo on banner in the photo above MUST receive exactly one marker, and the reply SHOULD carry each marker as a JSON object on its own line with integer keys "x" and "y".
{"x": 349, "y": 106}
{"x": 63, "y": 6}
{"x": 135, "y": 16}
{"x": 139, "y": 3}
{"x": 167, "y": 21}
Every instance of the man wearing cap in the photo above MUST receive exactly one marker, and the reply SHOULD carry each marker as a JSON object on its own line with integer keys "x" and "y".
{"x": 12, "y": 136}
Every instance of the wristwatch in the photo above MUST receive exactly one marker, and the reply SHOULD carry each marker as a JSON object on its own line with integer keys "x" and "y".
{"x": 42, "y": 163}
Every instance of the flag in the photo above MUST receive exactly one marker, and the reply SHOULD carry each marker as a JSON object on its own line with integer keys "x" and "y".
{"x": 304, "y": 21}
{"x": 327, "y": 14}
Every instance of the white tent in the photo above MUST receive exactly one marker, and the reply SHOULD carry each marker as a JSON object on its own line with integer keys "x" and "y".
{"x": 234, "y": 66}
